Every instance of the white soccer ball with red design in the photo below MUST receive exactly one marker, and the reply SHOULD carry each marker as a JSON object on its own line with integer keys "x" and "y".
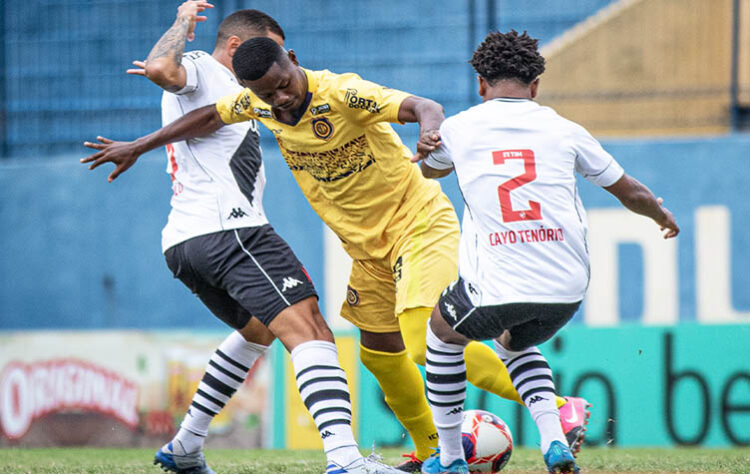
{"x": 487, "y": 441}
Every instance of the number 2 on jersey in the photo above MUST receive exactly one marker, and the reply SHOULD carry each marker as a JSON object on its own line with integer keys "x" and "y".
{"x": 503, "y": 191}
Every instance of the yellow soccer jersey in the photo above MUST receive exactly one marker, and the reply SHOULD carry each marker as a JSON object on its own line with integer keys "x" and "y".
{"x": 347, "y": 159}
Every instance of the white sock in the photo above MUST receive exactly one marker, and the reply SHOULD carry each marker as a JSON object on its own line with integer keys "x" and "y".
{"x": 446, "y": 391}
{"x": 533, "y": 381}
{"x": 322, "y": 385}
{"x": 225, "y": 373}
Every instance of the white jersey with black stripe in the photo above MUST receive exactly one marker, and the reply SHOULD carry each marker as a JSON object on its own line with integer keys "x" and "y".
{"x": 524, "y": 227}
{"x": 217, "y": 180}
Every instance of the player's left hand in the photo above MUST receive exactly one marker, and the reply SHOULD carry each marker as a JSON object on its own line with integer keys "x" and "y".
{"x": 139, "y": 69}
{"x": 122, "y": 154}
{"x": 429, "y": 140}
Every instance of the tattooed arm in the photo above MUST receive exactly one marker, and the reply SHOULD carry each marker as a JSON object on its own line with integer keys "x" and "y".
{"x": 164, "y": 64}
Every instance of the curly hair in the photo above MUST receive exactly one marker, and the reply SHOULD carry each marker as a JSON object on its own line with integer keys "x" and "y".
{"x": 508, "y": 56}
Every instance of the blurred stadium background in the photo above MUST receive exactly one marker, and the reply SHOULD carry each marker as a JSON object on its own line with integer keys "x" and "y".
{"x": 100, "y": 346}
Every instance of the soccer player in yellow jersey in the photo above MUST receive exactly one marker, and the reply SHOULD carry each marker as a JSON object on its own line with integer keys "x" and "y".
{"x": 399, "y": 228}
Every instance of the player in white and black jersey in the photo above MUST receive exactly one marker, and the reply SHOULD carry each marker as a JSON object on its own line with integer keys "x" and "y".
{"x": 523, "y": 259}
{"x": 218, "y": 242}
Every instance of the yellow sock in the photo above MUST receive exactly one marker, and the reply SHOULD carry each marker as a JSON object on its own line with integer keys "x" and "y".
{"x": 403, "y": 388}
{"x": 483, "y": 367}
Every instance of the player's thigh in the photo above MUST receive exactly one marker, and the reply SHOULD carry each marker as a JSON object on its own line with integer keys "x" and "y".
{"x": 425, "y": 260}
{"x": 531, "y": 324}
{"x": 370, "y": 297}
{"x": 182, "y": 262}
{"x": 263, "y": 274}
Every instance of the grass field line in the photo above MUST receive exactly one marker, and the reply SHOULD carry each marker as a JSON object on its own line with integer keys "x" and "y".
{"x": 226, "y": 461}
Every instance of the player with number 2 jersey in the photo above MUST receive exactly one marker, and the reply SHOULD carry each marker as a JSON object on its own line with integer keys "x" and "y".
{"x": 523, "y": 259}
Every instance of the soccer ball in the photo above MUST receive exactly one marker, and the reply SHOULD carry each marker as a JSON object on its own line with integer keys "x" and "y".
{"x": 487, "y": 441}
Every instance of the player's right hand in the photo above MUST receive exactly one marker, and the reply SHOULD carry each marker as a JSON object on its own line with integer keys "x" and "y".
{"x": 668, "y": 222}
{"x": 122, "y": 154}
{"x": 190, "y": 10}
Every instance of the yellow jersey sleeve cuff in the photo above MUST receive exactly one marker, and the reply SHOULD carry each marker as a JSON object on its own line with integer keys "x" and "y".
{"x": 397, "y": 98}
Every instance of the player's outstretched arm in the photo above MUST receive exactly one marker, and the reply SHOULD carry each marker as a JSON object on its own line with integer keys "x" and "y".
{"x": 198, "y": 123}
{"x": 164, "y": 64}
{"x": 638, "y": 198}
{"x": 429, "y": 115}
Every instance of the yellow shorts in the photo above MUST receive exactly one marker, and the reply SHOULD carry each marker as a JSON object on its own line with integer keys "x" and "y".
{"x": 421, "y": 264}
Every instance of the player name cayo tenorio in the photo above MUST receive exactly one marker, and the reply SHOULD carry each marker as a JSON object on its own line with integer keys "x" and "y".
{"x": 526, "y": 236}
{"x": 356, "y": 102}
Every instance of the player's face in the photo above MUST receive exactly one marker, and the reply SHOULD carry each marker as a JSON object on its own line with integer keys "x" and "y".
{"x": 283, "y": 87}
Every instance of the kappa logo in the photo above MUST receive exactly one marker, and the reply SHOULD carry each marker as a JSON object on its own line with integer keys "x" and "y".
{"x": 289, "y": 282}
{"x": 472, "y": 290}
{"x": 451, "y": 310}
{"x": 535, "y": 398}
{"x": 326, "y": 434}
{"x": 455, "y": 411}
{"x": 433, "y": 436}
{"x": 236, "y": 213}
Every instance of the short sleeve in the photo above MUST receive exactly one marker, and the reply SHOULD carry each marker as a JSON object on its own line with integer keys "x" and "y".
{"x": 593, "y": 162}
{"x": 236, "y": 108}
{"x": 366, "y": 102}
{"x": 441, "y": 158}
{"x": 191, "y": 76}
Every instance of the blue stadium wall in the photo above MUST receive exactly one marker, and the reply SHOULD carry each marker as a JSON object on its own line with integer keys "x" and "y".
{"x": 78, "y": 253}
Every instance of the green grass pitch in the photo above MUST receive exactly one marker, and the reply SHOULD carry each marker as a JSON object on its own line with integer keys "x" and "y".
{"x": 592, "y": 460}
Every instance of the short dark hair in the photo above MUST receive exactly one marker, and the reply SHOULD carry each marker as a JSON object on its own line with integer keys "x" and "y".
{"x": 255, "y": 57}
{"x": 242, "y": 23}
{"x": 508, "y": 56}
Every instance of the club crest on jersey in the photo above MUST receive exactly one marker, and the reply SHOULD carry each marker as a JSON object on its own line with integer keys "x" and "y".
{"x": 322, "y": 128}
{"x": 352, "y": 297}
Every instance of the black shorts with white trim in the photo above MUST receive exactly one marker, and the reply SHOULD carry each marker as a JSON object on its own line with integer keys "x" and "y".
{"x": 241, "y": 273}
{"x": 528, "y": 323}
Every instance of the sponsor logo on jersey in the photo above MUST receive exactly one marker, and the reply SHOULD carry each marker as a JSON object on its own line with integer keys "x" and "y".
{"x": 236, "y": 213}
{"x": 193, "y": 54}
{"x": 289, "y": 282}
{"x": 322, "y": 128}
{"x": 397, "y": 270}
{"x": 242, "y": 104}
{"x": 352, "y": 297}
{"x": 320, "y": 109}
{"x": 262, "y": 113}
{"x": 356, "y": 102}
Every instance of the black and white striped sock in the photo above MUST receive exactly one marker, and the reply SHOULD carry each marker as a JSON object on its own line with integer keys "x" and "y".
{"x": 324, "y": 390}
{"x": 532, "y": 378}
{"x": 225, "y": 373}
{"x": 446, "y": 391}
